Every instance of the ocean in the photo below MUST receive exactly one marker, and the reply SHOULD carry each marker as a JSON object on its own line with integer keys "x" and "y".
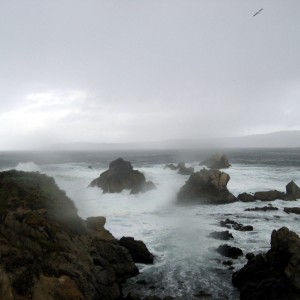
{"x": 185, "y": 258}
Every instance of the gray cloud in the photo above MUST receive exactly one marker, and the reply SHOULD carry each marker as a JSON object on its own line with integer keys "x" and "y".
{"x": 114, "y": 71}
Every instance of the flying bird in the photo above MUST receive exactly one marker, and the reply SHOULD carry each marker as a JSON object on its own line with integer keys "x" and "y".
{"x": 257, "y": 12}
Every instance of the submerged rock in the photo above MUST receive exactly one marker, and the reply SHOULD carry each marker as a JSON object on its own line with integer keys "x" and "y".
{"x": 120, "y": 176}
{"x": 216, "y": 162}
{"x": 274, "y": 275}
{"x": 48, "y": 251}
{"x": 235, "y": 225}
{"x": 221, "y": 235}
{"x": 206, "y": 187}
{"x": 265, "y": 208}
{"x": 181, "y": 167}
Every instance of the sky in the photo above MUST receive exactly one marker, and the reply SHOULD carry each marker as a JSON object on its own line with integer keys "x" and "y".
{"x": 146, "y": 70}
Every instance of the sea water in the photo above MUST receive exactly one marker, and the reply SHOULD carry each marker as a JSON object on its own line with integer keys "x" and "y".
{"x": 185, "y": 258}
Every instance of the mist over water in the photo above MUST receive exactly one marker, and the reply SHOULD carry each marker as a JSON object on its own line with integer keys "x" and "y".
{"x": 185, "y": 258}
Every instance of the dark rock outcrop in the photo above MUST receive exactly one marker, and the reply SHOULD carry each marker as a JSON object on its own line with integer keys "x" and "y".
{"x": 292, "y": 191}
{"x": 206, "y": 187}
{"x": 274, "y": 275}
{"x": 48, "y": 251}
{"x": 245, "y": 197}
{"x": 216, "y": 162}
{"x": 181, "y": 167}
{"x": 229, "y": 251}
{"x": 265, "y": 208}
{"x": 137, "y": 250}
{"x": 269, "y": 195}
{"x": 221, "y": 235}
{"x": 120, "y": 176}
{"x": 293, "y": 210}
{"x": 236, "y": 226}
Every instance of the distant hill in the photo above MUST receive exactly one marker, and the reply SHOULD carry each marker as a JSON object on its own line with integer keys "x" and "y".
{"x": 281, "y": 139}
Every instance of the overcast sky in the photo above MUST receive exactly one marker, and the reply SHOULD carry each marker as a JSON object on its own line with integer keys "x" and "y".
{"x": 134, "y": 70}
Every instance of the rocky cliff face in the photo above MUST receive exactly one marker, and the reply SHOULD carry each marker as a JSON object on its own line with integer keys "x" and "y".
{"x": 207, "y": 187}
{"x": 48, "y": 252}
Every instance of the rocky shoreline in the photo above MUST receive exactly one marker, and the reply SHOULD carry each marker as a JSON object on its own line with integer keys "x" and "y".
{"x": 49, "y": 252}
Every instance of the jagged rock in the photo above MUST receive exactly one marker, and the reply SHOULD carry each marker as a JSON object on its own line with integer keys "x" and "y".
{"x": 216, "y": 162}
{"x": 269, "y": 195}
{"x": 292, "y": 191}
{"x": 274, "y": 275}
{"x": 229, "y": 251}
{"x": 236, "y": 226}
{"x": 265, "y": 208}
{"x": 181, "y": 167}
{"x": 48, "y": 251}
{"x": 137, "y": 249}
{"x": 245, "y": 197}
{"x": 294, "y": 210}
{"x": 207, "y": 187}
{"x": 221, "y": 235}
{"x": 120, "y": 176}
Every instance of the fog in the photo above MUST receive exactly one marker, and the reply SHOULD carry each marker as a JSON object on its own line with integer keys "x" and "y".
{"x": 146, "y": 71}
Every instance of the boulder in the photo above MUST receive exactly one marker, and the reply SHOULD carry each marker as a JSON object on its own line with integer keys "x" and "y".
{"x": 236, "y": 226}
{"x": 245, "y": 197}
{"x": 292, "y": 191}
{"x": 269, "y": 195}
{"x": 229, "y": 251}
{"x": 48, "y": 251}
{"x": 275, "y": 274}
{"x": 221, "y": 235}
{"x": 206, "y": 187}
{"x": 294, "y": 210}
{"x": 120, "y": 176}
{"x": 216, "y": 162}
{"x": 137, "y": 250}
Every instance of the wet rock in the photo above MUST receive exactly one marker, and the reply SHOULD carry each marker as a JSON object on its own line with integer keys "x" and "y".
{"x": 227, "y": 262}
{"x": 221, "y": 235}
{"x": 293, "y": 210}
{"x": 265, "y": 208}
{"x": 274, "y": 275}
{"x": 183, "y": 170}
{"x": 133, "y": 296}
{"x": 245, "y": 197}
{"x": 48, "y": 251}
{"x": 141, "y": 281}
{"x": 206, "y": 187}
{"x": 120, "y": 176}
{"x": 269, "y": 195}
{"x": 216, "y": 162}
{"x": 229, "y": 251}
{"x": 292, "y": 191}
{"x": 137, "y": 250}
{"x": 228, "y": 223}
{"x": 171, "y": 167}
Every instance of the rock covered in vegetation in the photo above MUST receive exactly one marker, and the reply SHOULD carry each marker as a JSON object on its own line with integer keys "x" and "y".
{"x": 207, "y": 187}
{"x": 137, "y": 250}
{"x": 121, "y": 176}
{"x": 274, "y": 275}
{"x": 48, "y": 251}
{"x": 216, "y": 162}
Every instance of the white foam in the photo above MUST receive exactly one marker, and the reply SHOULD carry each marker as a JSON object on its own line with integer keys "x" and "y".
{"x": 28, "y": 167}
